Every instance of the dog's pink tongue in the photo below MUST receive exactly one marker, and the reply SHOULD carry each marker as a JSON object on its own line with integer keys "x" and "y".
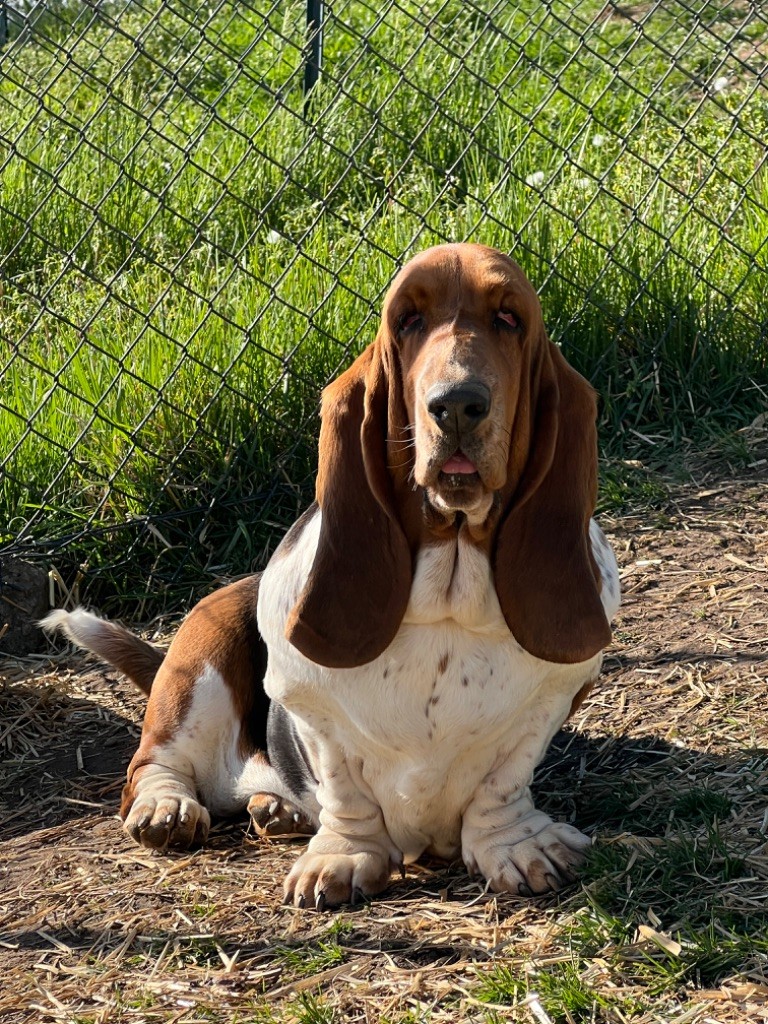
{"x": 459, "y": 463}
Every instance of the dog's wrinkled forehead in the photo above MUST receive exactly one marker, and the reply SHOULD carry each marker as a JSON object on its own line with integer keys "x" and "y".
{"x": 462, "y": 278}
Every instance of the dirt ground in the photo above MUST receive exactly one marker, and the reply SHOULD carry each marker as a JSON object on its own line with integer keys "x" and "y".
{"x": 94, "y": 929}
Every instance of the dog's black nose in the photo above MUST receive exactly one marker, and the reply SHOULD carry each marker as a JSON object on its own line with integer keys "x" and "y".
{"x": 460, "y": 408}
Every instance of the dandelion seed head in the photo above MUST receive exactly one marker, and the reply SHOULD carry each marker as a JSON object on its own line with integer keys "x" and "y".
{"x": 720, "y": 84}
{"x": 535, "y": 179}
{"x": 598, "y": 140}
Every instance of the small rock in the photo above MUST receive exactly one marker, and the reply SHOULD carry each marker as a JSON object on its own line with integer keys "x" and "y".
{"x": 23, "y": 602}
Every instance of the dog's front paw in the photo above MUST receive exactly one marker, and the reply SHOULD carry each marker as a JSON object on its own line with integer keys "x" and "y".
{"x": 323, "y": 880}
{"x": 544, "y": 862}
{"x": 162, "y": 821}
{"x": 273, "y": 815}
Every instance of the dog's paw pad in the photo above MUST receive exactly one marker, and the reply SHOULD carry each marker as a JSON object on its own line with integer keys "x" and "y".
{"x": 544, "y": 862}
{"x": 321, "y": 881}
{"x": 160, "y": 822}
{"x": 274, "y": 816}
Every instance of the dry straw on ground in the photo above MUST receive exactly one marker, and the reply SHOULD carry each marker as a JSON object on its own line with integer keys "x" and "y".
{"x": 666, "y": 765}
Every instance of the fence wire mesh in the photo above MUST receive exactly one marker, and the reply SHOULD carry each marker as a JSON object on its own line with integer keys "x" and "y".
{"x": 191, "y": 246}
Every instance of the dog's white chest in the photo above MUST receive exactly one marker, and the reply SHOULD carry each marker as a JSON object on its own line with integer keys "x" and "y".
{"x": 452, "y": 582}
{"x": 430, "y": 719}
{"x": 426, "y": 721}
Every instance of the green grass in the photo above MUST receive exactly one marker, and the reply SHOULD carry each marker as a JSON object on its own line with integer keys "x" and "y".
{"x": 311, "y": 959}
{"x": 668, "y": 907}
{"x": 599, "y": 966}
{"x": 185, "y": 259}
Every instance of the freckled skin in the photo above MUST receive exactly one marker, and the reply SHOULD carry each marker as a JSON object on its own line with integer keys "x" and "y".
{"x": 454, "y": 718}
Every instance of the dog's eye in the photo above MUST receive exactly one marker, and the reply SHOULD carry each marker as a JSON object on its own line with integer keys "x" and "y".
{"x": 506, "y": 320}
{"x": 409, "y": 321}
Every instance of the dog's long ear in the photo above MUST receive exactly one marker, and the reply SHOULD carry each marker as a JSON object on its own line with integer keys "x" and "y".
{"x": 545, "y": 576}
{"x": 358, "y": 588}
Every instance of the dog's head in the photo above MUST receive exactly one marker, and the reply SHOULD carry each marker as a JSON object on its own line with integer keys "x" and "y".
{"x": 467, "y": 330}
{"x": 460, "y": 415}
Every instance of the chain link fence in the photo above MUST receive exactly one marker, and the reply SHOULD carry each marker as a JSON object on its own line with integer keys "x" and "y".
{"x": 201, "y": 208}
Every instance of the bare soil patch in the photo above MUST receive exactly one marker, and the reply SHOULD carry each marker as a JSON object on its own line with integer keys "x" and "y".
{"x": 668, "y": 757}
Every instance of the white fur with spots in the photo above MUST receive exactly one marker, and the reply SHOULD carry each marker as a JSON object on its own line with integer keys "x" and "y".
{"x": 431, "y": 746}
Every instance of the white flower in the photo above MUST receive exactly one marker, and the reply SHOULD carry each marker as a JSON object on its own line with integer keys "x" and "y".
{"x": 535, "y": 179}
{"x": 583, "y": 183}
{"x": 598, "y": 140}
{"x": 273, "y": 237}
{"x": 720, "y": 84}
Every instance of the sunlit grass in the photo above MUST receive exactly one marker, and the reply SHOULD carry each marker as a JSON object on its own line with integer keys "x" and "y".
{"x": 186, "y": 260}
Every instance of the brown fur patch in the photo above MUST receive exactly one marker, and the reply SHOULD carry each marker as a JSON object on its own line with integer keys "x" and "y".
{"x": 220, "y": 631}
{"x": 580, "y": 697}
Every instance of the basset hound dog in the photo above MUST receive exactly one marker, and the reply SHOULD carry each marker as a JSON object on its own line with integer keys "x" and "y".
{"x": 392, "y": 679}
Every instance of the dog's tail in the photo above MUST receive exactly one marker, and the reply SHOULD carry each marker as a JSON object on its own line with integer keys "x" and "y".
{"x": 115, "y": 644}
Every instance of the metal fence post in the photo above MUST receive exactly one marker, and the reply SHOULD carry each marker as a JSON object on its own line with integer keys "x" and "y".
{"x": 315, "y": 49}
{"x": 3, "y": 23}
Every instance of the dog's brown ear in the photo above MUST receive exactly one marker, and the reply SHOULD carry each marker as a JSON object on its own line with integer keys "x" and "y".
{"x": 358, "y": 588}
{"x": 545, "y": 576}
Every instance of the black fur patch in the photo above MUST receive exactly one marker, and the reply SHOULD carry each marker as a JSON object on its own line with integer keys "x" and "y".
{"x": 287, "y": 754}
